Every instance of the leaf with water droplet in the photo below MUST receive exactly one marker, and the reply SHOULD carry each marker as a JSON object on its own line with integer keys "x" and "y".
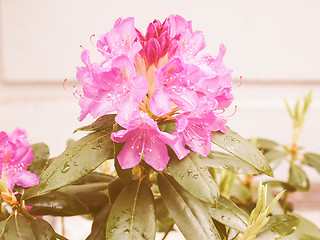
{"x": 188, "y": 212}
{"x": 132, "y": 215}
{"x": 58, "y": 174}
{"x": 243, "y": 149}
{"x": 228, "y": 213}
{"x": 194, "y": 176}
{"x": 278, "y": 226}
{"x": 230, "y": 162}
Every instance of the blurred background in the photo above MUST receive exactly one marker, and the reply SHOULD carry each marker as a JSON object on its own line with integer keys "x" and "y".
{"x": 274, "y": 45}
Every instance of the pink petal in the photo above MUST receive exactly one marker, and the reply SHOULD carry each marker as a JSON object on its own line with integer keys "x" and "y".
{"x": 26, "y": 179}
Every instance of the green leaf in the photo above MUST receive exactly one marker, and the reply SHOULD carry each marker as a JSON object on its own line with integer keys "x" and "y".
{"x": 103, "y": 123}
{"x": 86, "y": 193}
{"x": 242, "y": 148}
{"x": 305, "y": 231}
{"x": 228, "y": 213}
{"x": 56, "y": 204}
{"x": 298, "y": 178}
{"x": 75, "y": 162}
{"x": 124, "y": 174}
{"x": 133, "y": 214}
{"x": 275, "y": 157}
{"x": 280, "y": 186}
{"x": 2, "y": 228}
{"x": 162, "y": 213}
{"x": 266, "y": 144}
{"x": 278, "y": 226}
{"x": 188, "y": 212}
{"x": 41, "y": 158}
{"x": 17, "y": 228}
{"x": 312, "y": 160}
{"x": 114, "y": 188}
{"x": 94, "y": 177}
{"x": 193, "y": 176}
{"x": 42, "y": 230}
{"x": 230, "y": 162}
{"x": 98, "y": 229}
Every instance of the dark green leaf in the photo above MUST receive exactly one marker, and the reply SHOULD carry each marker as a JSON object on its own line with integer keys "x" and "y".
{"x": 124, "y": 174}
{"x": 194, "y": 176}
{"x": 90, "y": 195}
{"x": 75, "y": 162}
{"x": 17, "y": 228}
{"x": 188, "y": 212}
{"x": 312, "y": 160}
{"x": 94, "y": 177}
{"x": 266, "y": 144}
{"x": 162, "y": 213}
{"x": 133, "y": 214}
{"x": 98, "y": 229}
{"x": 305, "y": 231}
{"x": 230, "y": 162}
{"x": 42, "y": 230}
{"x": 229, "y": 214}
{"x": 114, "y": 189}
{"x": 298, "y": 178}
{"x": 168, "y": 127}
{"x": 41, "y": 158}
{"x": 278, "y": 226}
{"x": 103, "y": 123}
{"x": 56, "y": 204}
{"x": 242, "y": 148}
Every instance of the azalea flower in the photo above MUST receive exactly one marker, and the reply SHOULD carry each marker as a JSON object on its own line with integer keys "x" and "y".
{"x": 152, "y": 78}
{"x": 15, "y": 156}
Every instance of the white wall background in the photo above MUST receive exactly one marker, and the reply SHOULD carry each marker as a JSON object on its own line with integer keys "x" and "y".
{"x": 273, "y": 44}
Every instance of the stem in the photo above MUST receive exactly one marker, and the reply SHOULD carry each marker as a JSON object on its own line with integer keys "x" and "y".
{"x": 63, "y": 230}
{"x": 25, "y": 213}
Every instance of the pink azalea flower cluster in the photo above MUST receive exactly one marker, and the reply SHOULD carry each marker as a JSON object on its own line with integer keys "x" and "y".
{"x": 152, "y": 78}
{"x": 15, "y": 156}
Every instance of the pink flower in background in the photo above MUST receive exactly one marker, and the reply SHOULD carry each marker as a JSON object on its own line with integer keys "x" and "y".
{"x": 154, "y": 77}
{"x": 15, "y": 156}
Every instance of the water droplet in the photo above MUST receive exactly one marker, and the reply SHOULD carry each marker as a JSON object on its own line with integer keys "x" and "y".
{"x": 66, "y": 168}
{"x": 223, "y": 217}
{"x": 76, "y": 163}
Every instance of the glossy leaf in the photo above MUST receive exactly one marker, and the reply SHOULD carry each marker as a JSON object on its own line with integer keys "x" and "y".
{"x": 56, "y": 204}
{"x": 103, "y": 123}
{"x": 133, "y": 214}
{"x": 18, "y": 228}
{"x": 42, "y": 230}
{"x": 194, "y": 176}
{"x": 75, "y": 162}
{"x": 188, "y": 212}
{"x": 41, "y": 158}
{"x": 228, "y": 213}
{"x": 305, "y": 231}
{"x": 114, "y": 188}
{"x": 162, "y": 213}
{"x": 279, "y": 226}
{"x": 242, "y": 148}
{"x": 298, "y": 178}
{"x": 312, "y": 160}
{"x": 230, "y": 162}
{"x": 94, "y": 177}
{"x": 98, "y": 229}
